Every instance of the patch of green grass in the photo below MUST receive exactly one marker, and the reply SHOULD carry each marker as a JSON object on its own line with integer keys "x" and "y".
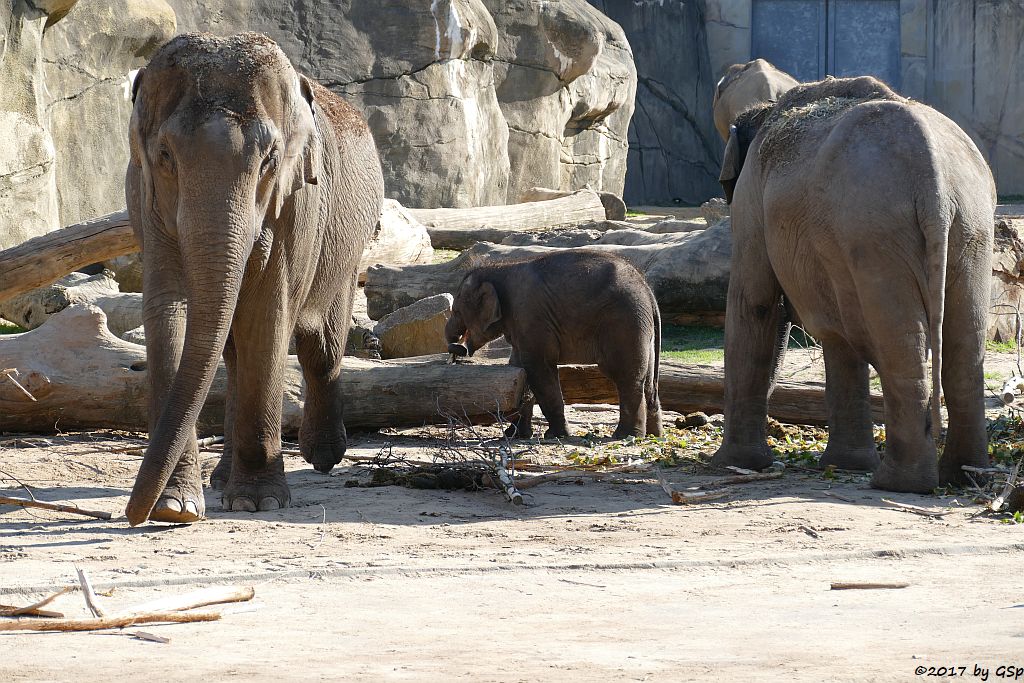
{"x": 444, "y": 255}
{"x": 1001, "y": 347}
{"x": 993, "y": 375}
{"x": 693, "y": 343}
{"x": 9, "y": 327}
{"x": 634, "y": 214}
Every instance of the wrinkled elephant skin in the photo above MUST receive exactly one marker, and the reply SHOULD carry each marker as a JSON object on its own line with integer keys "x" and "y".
{"x": 252, "y": 191}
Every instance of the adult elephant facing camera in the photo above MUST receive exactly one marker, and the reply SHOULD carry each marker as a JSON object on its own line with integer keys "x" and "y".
{"x": 868, "y": 217}
{"x": 252, "y": 191}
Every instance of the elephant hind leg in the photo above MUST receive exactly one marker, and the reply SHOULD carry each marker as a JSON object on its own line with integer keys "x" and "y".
{"x": 652, "y": 404}
{"x": 851, "y": 444}
{"x": 322, "y": 436}
{"x": 963, "y": 382}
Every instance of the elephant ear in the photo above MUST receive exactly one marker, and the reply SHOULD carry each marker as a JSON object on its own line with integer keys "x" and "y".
{"x": 304, "y": 149}
{"x": 732, "y": 164}
{"x": 488, "y": 305}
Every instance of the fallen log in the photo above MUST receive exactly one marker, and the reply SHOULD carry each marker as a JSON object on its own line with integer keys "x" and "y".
{"x": 399, "y": 239}
{"x": 462, "y": 228}
{"x": 614, "y": 207}
{"x": 84, "y": 377}
{"x": 31, "y": 309}
{"x": 689, "y": 272}
{"x": 689, "y": 388}
{"x": 41, "y": 260}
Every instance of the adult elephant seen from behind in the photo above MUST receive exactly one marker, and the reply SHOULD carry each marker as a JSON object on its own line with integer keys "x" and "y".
{"x": 867, "y": 218}
{"x": 252, "y": 191}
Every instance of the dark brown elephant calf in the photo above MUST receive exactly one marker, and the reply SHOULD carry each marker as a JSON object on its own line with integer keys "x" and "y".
{"x": 568, "y": 307}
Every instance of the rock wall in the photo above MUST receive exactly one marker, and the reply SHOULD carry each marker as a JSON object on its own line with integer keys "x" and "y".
{"x": 471, "y": 101}
{"x": 28, "y": 199}
{"x": 88, "y": 62}
{"x": 674, "y": 152}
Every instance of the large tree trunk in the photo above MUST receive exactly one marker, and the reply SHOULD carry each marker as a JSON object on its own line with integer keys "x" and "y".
{"x": 31, "y": 309}
{"x": 400, "y": 239}
{"x": 614, "y": 207}
{"x": 83, "y": 377}
{"x": 41, "y": 260}
{"x": 689, "y": 272}
{"x": 688, "y": 388}
{"x": 462, "y": 228}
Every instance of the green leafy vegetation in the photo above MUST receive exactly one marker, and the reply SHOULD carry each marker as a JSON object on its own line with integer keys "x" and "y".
{"x": 634, "y": 214}
{"x": 9, "y": 327}
{"x": 1001, "y": 347}
{"x": 693, "y": 343}
{"x": 444, "y": 255}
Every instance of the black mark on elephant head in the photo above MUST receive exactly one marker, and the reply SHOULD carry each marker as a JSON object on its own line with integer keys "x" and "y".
{"x": 741, "y": 134}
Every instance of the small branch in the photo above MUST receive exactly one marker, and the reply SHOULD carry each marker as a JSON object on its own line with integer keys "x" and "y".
{"x": 917, "y": 510}
{"x": 215, "y": 595}
{"x": 57, "y": 507}
{"x": 90, "y": 597}
{"x": 687, "y": 497}
{"x": 8, "y": 374}
{"x": 744, "y": 478}
{"x": 1011, "y": 481}
{"x": 120, "y": 621}
{"x": 33, "y": 609}
{"x": 856, "y": 585}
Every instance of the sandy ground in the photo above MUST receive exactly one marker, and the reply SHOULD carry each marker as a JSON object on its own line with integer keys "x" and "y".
{"x": 596, "y": 579}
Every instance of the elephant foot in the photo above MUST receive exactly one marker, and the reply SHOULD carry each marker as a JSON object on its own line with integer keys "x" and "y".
{"x": 654, "y": 427}
{"x": 182, "y": 501}
{"x": 324, "y": 452}
{"x": 858, "y": 459}
{"x": 518, "y": 431}
{"x": 221, "y": 473}
{"x": 557, "y": 432}
{"x": 919, "y": 476}
{"x": 747, "y": 457}
{"x": 624, "y": 432}
{"x": 257, "y": 491}
{"x": 951, "y": 467}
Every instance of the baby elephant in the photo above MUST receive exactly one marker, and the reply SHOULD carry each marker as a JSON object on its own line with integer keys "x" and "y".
{"x": 567, "y": 307}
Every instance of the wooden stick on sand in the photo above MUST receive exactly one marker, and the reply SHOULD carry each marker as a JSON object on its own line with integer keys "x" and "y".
{"x": 57, "y": 507}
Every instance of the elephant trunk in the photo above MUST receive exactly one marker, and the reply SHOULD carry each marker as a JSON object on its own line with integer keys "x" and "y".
{"x": 215, "y": 246}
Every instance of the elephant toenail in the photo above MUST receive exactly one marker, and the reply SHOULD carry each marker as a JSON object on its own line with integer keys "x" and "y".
{"x": 192, "y": 508}
{"x": 243, "y": 504}
{"x": 270, "y": 503}
{"x": 169, "y": 504}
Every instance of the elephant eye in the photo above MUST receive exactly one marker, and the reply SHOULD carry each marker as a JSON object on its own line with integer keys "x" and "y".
{"x": 166, "y": 159}
{"x": 269, "y": 164}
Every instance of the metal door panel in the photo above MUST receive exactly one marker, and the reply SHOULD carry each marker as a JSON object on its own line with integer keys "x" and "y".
{"x": 789, "y": 34}
{"x": 864, "y": 39}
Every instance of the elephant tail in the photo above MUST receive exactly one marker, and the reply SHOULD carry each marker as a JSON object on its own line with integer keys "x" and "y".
{"x": 936, "y": 235}
{"x": 654, "y": 400}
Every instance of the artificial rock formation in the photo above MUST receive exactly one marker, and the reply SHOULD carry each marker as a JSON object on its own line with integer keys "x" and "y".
{"x": 456, "y": 89}
{"x": 674, "y": 151}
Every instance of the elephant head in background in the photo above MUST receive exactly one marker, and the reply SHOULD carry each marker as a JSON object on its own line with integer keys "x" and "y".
{"x": 744, "y": 86}
{"x": 867, "y": 218}
{"x": 252, "y": 191}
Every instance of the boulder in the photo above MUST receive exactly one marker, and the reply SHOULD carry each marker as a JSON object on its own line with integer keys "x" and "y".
{"x": 416, "y": 329}
{"x": 565, "y": 82}
{"x": 455, "y": 90}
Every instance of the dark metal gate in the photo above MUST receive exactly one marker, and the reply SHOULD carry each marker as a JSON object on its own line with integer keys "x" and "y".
{"x": 812, "y": 38}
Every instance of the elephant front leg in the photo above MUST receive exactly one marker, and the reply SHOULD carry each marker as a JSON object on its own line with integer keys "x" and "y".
{"x": 182, "y": 499}
{"x": 756, "y": 331}
{"x": 222, "y": 472}
{"x": 257, "y": 481}
{"x": 522, "y": 428}
{"x": 322, "y": 437}
{"x": 542, "y": 376}
{"x": 851, "y": 443}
